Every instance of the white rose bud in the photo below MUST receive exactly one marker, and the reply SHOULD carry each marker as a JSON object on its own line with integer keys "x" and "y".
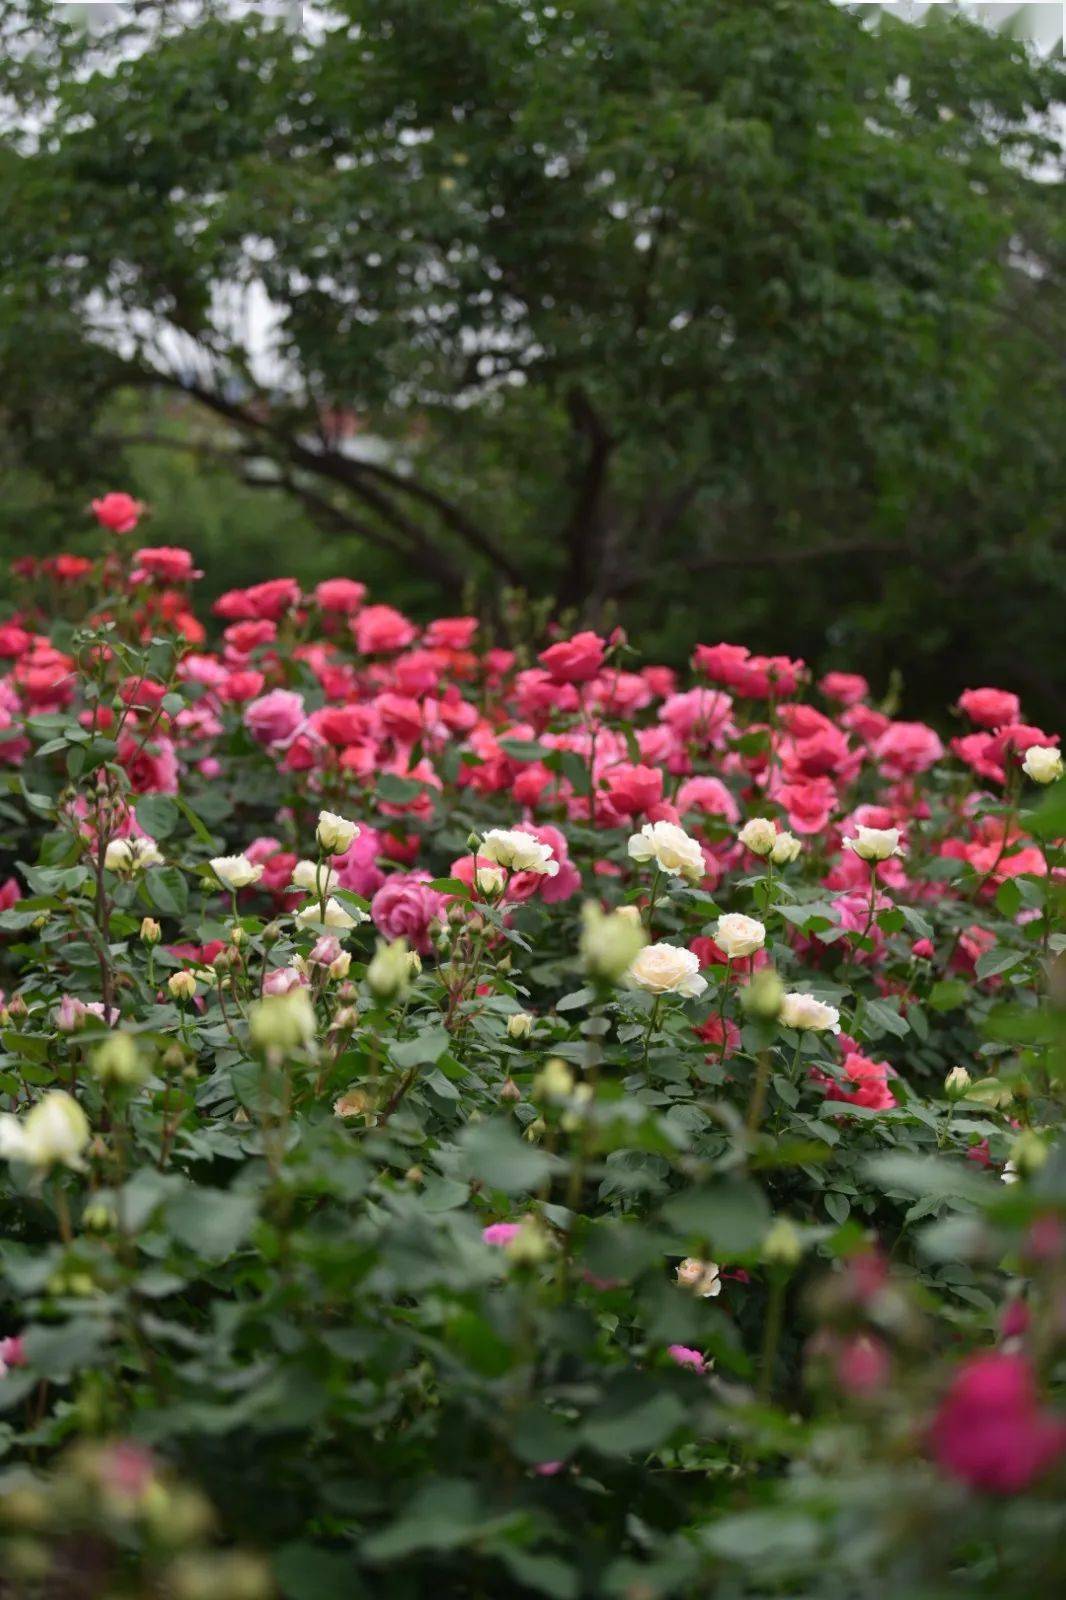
{"x": 1042, "y": 763}
{"x": 787, "y": 849}
{"x": 874, "y": 844}
{"x": 129, "y": 856}
{"x": 759, "y": 835}
{"x": 667, "y": 969}
{"x": 806, "y": 1014}
{"x": 117, "y": 1060}
{"x": 738, "y": 936}
{"x": 334, "y": 833}
{"x": 520, "y": 1025}
{"x": 673, "y": 850}
{"x": 182, "y": 985}
{"x": 956, "y": 1083}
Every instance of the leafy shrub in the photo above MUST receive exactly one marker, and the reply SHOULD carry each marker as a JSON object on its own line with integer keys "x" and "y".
{"x": 483, "y": 1127}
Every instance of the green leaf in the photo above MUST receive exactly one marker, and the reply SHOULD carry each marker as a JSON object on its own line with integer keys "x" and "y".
{"x": 167, "y": 890}
{"x": 494, "y": 1155}
{"x": 639, "y": 1428}
{"x": 157, "y": 814}
{"x": 212, "y": 1222}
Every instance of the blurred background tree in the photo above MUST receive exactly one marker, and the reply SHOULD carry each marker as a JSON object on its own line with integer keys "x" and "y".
{"x": 724, "y": 319}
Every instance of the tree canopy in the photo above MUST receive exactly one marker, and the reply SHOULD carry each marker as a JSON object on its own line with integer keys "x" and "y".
{"x": 666, "y": 305}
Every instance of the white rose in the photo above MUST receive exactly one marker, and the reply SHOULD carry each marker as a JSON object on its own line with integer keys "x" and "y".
{"x": 335, "y": 833}
{"x": 738, "y": 936}
{"x": 874, "y": 844}
{"x": 804, "y": 1012}
{"x": 521, "y": 852}
{"x": 54, "y": 1133}
{"x": 786, "y": 848}
{"x": 759, "y": 835}
{"x": 489, "y": 881}
{"x": 235, "y": 872}
{"x": 671, "y": 848}
{"x": 702, "y": 1277}
{"x": 334, "y": 915}
{"x": 666, "y": 969}
{"x": 314, "y": 876}
{"x": 1042, "y": 763}
{"x": 131, "y": 855}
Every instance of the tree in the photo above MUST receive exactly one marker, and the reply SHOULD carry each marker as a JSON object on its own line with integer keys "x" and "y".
{"x": 626, "y": 286}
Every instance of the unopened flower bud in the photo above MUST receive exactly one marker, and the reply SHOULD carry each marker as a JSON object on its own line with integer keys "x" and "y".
{"x": 1029, "y": 1152}
{"x": 762, "y": 997}
{"x": 555, "y": 1082}
{"x": 283, "y": 1021}
{"x": 509, "y": 1091}
{"x": 782, "y": 1246}
{"x": 530, "y": 1245}
{"x": 117, "y": 1060}
{"x": 389, "y": 972}
{"x": 151, "y": 932}
{"x": 520, "y": 1025}
{"x": 610, "y": 941}
{"x": 957, "y": 1083}
{"x": 182, "y": 985}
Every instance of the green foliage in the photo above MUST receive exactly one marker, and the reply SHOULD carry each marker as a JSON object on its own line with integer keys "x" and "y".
{"x": 660, "y": 307}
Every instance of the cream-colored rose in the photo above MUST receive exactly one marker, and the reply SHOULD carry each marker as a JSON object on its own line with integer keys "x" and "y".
{"x": 738, "y": 936}
{"x": 804, "y": 1012}
{"x": 786, "y": 849}
{"x": 54, "y": 1133}
{"x": 489, "y": 880}
{"x": 518, "y": 851}
{"x": 874, "y": 844}
{"x": 314, "y": 876}
{"x": 520, "y": 1024}
{"x": 335, "y": 833}
{"x": 701, "y": 1277}
{"x": 1042, "y": 763}
{"x": 235, "y": 872}
{"x": 671, "y": 848}
{"x": 759, "y": 835}
{"x": 128, "y": 856}
{"x": 182, "y": 985}
{"x": 667, "y": 969}
{"x": 333, "y": 915}
{"x": 957, "y": 1083}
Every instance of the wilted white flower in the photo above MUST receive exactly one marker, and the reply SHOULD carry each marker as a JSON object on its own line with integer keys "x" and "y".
{"x": 518, "y": 851}
{"x": 737, "y": 936}
{"x": 874, "y": 844}
{"x": 667, "y": 969}
{"x": 335, "y": 833}
{"x": 235, "y": 872}
{"x": 804, "y": 1012}
{"x": 671, "y": 848}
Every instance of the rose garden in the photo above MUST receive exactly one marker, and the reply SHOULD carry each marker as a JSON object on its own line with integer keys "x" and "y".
{"x": 488, "y": 1123}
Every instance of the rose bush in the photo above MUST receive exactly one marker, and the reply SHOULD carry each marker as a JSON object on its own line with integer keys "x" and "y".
{"x": 479, "y": 1124}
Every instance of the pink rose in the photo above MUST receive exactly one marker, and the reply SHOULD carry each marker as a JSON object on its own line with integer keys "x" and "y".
{"x": 167, "y": 563}
{"x": 405, "y": 906}
{"x": 846, "y": 688}
{"x": 990, "y": 1430}
{"x": 381, "y": 628}
{"x": 906, "y": 748}
{"x": 575, "y": 660}
{"x": 500, "y": 1233}
{"x": 990, "y": 708}
{"x": 119, "y": 512}
{"x": 343, "y": 595}
{"x": 276, "y": 717}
